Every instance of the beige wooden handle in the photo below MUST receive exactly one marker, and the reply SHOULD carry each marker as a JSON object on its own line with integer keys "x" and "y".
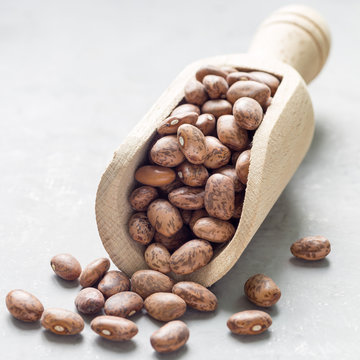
{"x": 296, "y": 35}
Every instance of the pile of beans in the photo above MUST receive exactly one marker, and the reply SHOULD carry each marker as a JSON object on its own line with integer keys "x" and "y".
{"x": 193, "y": 187}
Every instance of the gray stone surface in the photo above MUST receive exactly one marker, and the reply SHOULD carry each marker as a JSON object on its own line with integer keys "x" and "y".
{"x": 75, "y": 77}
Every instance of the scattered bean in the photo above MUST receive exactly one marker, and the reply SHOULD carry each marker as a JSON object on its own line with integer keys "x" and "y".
{"x": 113, "y": 282}
{"x": 89, "y": 301}
{"x": 66, "y": 266}
{"x": 311, "y": 248}
{"x": 249, "y": 322}
{"x": 62, "y": 322}
{"x": 94, "y": 271}
{"x": 123, "y": 304}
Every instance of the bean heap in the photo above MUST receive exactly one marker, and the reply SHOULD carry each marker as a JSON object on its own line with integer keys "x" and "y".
{"x": 192, "y": 190}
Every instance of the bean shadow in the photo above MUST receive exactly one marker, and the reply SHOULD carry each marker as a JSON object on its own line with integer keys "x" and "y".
{"x": 118, "y": 347}
{"x": 24, "y": 325}
{"x": 318, "y": 264}
{"x": 61, "y": 339}
{"x": 178, "y": 354}
{"x": 67, "y": 284}
{"x": 269, "y": 250}
{"x": 265, "y": 336}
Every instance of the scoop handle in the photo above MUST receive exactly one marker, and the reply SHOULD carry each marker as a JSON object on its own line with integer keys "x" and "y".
{"x": 296, "y": 35}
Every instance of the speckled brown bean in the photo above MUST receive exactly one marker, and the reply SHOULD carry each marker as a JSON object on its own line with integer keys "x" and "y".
{"x": 89, "y": 301}
{"x": 113, "y": 282}
{"x": 214, "y": 230}
{"x": 262, "y": 290}
{"x": 141, "y": 197}
{"x": 258, "y": 91}
{"x": 191, "y": 174}
{"x": 172, "y": 186}
{"x": 215, "y": 86}
{"x": 218, "y": 154}
{"x": 248, "y": 113}
{"x": 219, "y": 196}
{"x": 206, "y": 123}
{"x": 311, "y": 248}
{"x": 239, "y": 202}
{"x": 185, "y": 108}
{"x": 188, "y": 198}
{"x": 195, "y": 92}
{"x": 192, "y": 143}
{"x": 238, "y": 76}
{"x": 164, "y": 217}
{"x": 186, "y": 215}
{"x": 171, "y": 124}
{"x": 270, "y": 80}
{"x": 24, "y": 306}
{"x": 193, "y": 255}
{"x": 196, "y": 295}
{"x": 242, "y": 166}
{"x": 123, "y": 304}
{"x": 175, "y": 241}
{"x": 157, "y": 257}
{"x": 140, "y": 228}
{"x": 66, "y": 266}
{"x": 155, "y": 175}
{"x": 166, "y": 152}
{"x": 147, "y": 282}
{"x": 217, "y": 107}
{"x": 249, "y": 322}
{"x": 209, "y": 70}
{"x": 234, "y": 157}
{"x": 165, "y": 306}
{"x": 230, "y": 171}
{"x": 114, "y": 328}
{"x": 62, "y": 322}
{"x": 94, "y": 272}
{"x": 196, "y": 215}
{"x": 170, "y": 337}
{"x": 231, "y": 134}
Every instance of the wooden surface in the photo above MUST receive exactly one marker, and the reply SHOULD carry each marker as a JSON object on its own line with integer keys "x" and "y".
{"x": 279, "y": 146}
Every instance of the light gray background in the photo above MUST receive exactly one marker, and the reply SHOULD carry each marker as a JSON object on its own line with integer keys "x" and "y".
{"x": 75, "y": 77}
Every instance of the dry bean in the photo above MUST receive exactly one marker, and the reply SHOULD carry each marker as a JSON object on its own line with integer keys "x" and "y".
{"x": 230, "y": 171}
{"x": 218, "y": 154}
{"x": 195, "y": 92}
{"x": 66, "y": 266}
{"x": 206, "y": 123}
{"x": 311, "y": 248}
{"x": 258, "y": 91}
{"x": 231, "y": 134}
{"x": 157, "y": 257}
{"x": 239, "y": 76}
{"x": 175, "y": 241}
{"x": 214, "y": 230}
{"x": 196, "y": 295}
{"x": 185, "y": 108}
{"x": 114, "y": 328}
{"x": 166, "y": 152}
{"x": 24, "y": 306}
{"x": 89, "y": 301}
{"x": 62, "y": 322}
{"x": 188, "y": 198}
{"x": 123, "y": 304}
{"x": 209, "y": 70}
{"x": 192, "y": 143}
{"x": 113, "y": 282}
{"x": 147, "y": 282}
{"x": 155, "y": 175}
{"x": 191, "y": 256}
{"x": 249, "y": 322}
{"x": 171, "y": 124}
{"x": 242, "y": 166}
{"x": 94, "y": 271}
{"x": 164, "y": 217}
{"x": 165, "y": 306}
{"x": 196, "y": 215}
{"x": 262, "y": 290}
{"x": 140, "y": 228}
{"x": 170, "y": 337}
{"x": 191, "y": 174}
{"x": 217, "y": 107}
{"x": 215, "y": 86}
{"x": 141, "y": 197}
{"x": 248, "y": 113}
{"x": 270, "y": 80}
{"x": 172, "y": 186}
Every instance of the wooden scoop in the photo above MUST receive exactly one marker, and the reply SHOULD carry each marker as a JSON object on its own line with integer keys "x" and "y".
{"x": 293, "y": 44}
